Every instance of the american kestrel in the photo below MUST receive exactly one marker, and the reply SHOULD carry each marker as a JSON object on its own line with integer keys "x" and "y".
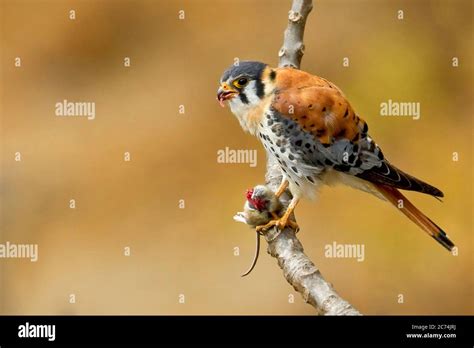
{"x": 306, "y": 124}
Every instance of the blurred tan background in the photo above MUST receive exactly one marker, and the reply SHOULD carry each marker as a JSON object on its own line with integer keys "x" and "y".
{"x": 173, "y": 156}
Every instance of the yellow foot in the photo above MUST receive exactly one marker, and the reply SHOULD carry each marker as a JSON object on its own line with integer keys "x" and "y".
{"x": 279, "y": 223}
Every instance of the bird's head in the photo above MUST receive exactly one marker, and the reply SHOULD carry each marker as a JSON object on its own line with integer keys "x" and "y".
{"x": 243, "y": 84}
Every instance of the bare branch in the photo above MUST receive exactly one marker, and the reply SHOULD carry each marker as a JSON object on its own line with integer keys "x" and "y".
{"x": 292, "y": 51}
{"x": 298, "y": 269}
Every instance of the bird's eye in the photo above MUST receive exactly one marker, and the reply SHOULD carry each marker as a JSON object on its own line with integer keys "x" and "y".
{"x": 241, "y": 82}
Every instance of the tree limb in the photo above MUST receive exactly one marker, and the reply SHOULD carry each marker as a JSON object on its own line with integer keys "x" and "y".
{"x": 298, "y": 269}
{"x": 292, "y": 51}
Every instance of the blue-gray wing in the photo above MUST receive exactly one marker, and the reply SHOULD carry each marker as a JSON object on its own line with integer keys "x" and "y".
{"x": 364, "y": 159}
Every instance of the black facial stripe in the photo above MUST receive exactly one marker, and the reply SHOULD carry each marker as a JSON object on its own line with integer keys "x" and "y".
{"x": 243, "y": 98}
{"x": 260, "y": 88}
{"x": 273, "y": 75}
{"x": 260, "y": 85}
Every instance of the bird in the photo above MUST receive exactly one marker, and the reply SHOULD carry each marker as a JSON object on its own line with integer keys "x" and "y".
{"x": 307, "y": 126}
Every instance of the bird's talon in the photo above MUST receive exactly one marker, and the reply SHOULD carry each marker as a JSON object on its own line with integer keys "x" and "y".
{"x": 293, "y": 225}
{"x": 281, "y": 224}
{"x": 266, "y": 227}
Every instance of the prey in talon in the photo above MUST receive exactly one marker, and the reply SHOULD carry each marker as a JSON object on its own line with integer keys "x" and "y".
{"x": 261, "y": 209}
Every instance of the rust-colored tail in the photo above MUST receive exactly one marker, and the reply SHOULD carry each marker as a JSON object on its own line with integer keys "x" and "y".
{"x": 394, "y": 196}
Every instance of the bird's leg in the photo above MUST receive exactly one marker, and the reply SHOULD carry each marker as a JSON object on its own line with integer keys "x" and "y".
{"x": 282, "y": 222}
{"x": 291, "y": 223}
{"x": 283, "y": 186}
{"x": 285, "y": 219}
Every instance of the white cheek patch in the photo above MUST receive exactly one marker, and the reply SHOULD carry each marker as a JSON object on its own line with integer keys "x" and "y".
{"x": 240, "y": 108}
{"x": 237, "y": 107}
{"x": 250, "y": 92}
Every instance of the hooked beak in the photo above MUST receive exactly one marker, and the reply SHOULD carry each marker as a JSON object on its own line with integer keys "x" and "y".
{"x": 225, "y": 92}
